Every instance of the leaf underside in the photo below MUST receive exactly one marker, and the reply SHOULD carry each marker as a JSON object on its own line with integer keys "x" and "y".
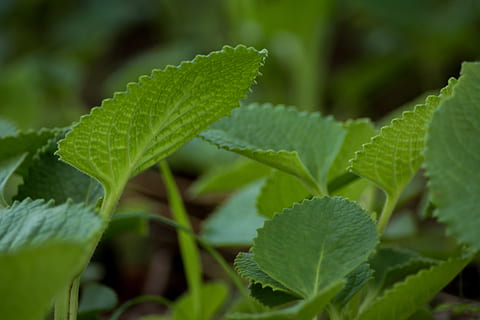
{"x": 453, "y": 158}
{"x": 155, "y": 116}
{"x": 393, "y": 157}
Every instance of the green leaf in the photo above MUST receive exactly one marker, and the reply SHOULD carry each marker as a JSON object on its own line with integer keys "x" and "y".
{"x": 331, "y": 235}
{"x": 155, "y": 116}
{"x": 7, "y": 128}
{"x": 236, "y": 221}
{"x": 453, "y": 162}
{"x": 393, "y": 157}
{"x": 24, "y": 142}
{"x": 404, "y": 298}
{"x": 269, "y": 297}
{"x": 304, "y": 310}
{"x": 298, "y": 143}
{"x": 213, "y": 297}
{"x": 95, "y": 298}
{"x": 32, "y": 276}
{"x": 48, "y": 178}
{"x": 230, "y": 177}
{"x": 355, "y": 281}
{"x": 280, "y": 191}
{"x": 31, "y": 222}
{"x": 7, "y": 168}
{"x": 249, "y": 269}
{"x": 42, "y": 248}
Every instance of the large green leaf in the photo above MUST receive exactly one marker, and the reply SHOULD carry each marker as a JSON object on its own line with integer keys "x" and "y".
{"x": 303, "y": 310}
{"x": 308, "y": 247}
{"x": 453, "y": 160}
{"x": 393, "y": 157}
{"x": 155, "y": 116}
{"x": 404, "y": 298}
{"x": 236, "y": 221}
{"x": 48, "y": 178}
{"x": 298, "y": 143}
{"x": 32, "y": 276}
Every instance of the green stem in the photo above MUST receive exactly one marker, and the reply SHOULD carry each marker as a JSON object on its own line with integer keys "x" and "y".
{"x": 116, "y": 315}
{"x": 390, "y": 203}
{"x": 66, "y": 305}
{"x": 209, "y": 248}
{"x": 188, "y": 248}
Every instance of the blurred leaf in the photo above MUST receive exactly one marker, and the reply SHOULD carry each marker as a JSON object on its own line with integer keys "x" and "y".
{"x": 452, "y": 158}
{"x": 95, "y": 298}
{"x": 229, "y": 177}
{"x": 7, "y": 168}
{"x": 236, "y": 221}
{"x": 280, "y": 190}
{"x": 301, "y": 144}
{"x": 213, "y": 297}
{"x": 7, "y": 128}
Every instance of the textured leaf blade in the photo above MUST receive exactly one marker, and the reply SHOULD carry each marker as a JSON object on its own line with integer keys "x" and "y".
{"x": 155, "y": 116}
{"x": 355, "y": 281}
{"x": 7, "y": 168}
{"x": 32, "y": 276}
{"x": 236, "y": 221}
{"x": 393, "y": 157}
{"x": 408, "y": 296}
{"x": 298, "y": 143}
{"x": 269, "y": 297}
{"x": 280, "y": 191}
{"x": 452, "y": 158}
{"x": 336, "y": 236}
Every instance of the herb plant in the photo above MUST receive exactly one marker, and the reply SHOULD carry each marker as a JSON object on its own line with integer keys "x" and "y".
{"x": 319, "y": 252}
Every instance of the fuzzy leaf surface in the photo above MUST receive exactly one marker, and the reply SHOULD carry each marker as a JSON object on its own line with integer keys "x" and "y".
{"x": 155, "y": 116}
{"x": 32, "y": 222}
{"x": 298, "y": 143}
{"x": 453, "y": 160}
{"x": 280, "y": 191}
{"x": 303, "y": 310}
{"x": 332, "y": 236}
{"x": 236, "y": 221}
{"x": 405, "y": 298}
{"x": 393, "y": 157}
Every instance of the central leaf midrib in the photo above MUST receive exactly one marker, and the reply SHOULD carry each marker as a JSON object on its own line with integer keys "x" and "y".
{"x": 318, "y": 269}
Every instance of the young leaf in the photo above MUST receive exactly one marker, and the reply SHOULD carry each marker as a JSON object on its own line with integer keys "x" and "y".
{"x": 32, "y": 276}
{"x": 303, "y": 310}
{"x": 406, "y": 297}
{"x": 279, "y": 191}
{"x": 452, "y": 158}
{"x": 236, "y": 221}
{"x": 155, "y": 116}
{"x": 298, "y": 143}
{"x": 315, "y": 243}
{"x": 393, "y": 157}
{"x": 48, "y": 178}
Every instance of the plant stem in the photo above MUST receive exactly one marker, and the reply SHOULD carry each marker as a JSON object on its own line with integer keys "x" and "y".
{"x": 188, "y": 248}
{"x": 387, "y": 211}
{"x": 66, "y": 305}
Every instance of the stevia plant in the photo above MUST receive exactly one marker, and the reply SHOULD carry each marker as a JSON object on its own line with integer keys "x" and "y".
{"x": 318, "y": 251}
